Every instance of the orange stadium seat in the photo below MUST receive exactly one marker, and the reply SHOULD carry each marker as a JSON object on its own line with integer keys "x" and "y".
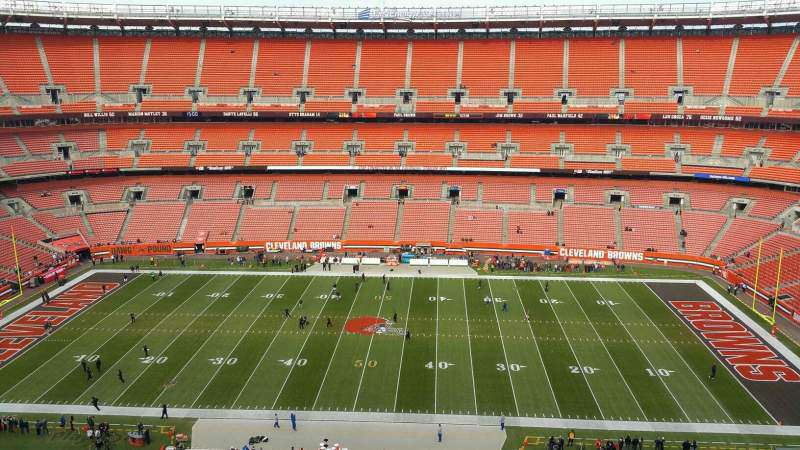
{"x": 22, "y": 70}
{"x": 215, "y": 221}
{"x": 172, "y": 65}
{"x": 758, "y": 61}
{"x": 372, "y": 221}
{"x": 120, "y": 62}
{"x": 651, "y": 66}
{"x": 331, "y": 67}
{"x": 226, "y": 65}
{"x": 593, "y": 66}
{"x": 434, "y": 67}
{"x": 705, "y": 62}
{"x": 485, "y": 66}
{"x": 478, "y": 225}
{"x": 280, "y": 66}
{"x": 532, "y": 228}
{"x": 643, "y": 229}
{"x": 424, "y": 221}
{"x": 154, "y": 222}
{"x": 71, "y": 62}
{"x": 538, "y": 68}
{"x": 106, "y": 226}
{"x": 599, "y": 235}
{"x": 259, "y": 224}
{"x": 383, "y": 65}
{"x": 701, "y": 229}
{"x": 319, "y": 223}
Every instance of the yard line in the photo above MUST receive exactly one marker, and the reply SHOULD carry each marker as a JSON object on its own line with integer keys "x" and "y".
{"x": 216, "y": 372}
{"x": 538, "y": 352}
{"x": 366, "y": 360}
{"x": 128, "y": 385}
{"x": 336, "y": 347}
{"x": 69, "y": 371}
{"x": 502, "y": 342}
{"x": 676, "y": 350}
{"x": 436, "y": 353}
{"x": 221, "y": 322}
{"x": 575, "y": 355}
{"x": 653, "y": 367}
{"x": 403, "y": 347}
{"x": 599, "y": 339}
{"x": 469, "y": 346}
{"x": 277, "y": 333}
{"x": 305, "y": 341}
{"x": 64, "y": 348}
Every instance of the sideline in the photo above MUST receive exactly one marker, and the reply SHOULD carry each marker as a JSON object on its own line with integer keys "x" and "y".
{"x": 385, "y": 417}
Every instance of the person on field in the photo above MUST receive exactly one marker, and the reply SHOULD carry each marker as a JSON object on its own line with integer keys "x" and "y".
{"x": 286, "y": 314}
{"x": 439, "y": 433}
{"x": 146, "y": 350}
{"x": 713, "y": 375}
{"x": 276, "y": 424}
{"x": 546, "y": 286}
{"x": 570, "y": 438}
{"x": 88, "y": 374}
{"x": 394, "y": 317}
{"x": 329, "y": 323}
{"x": 95, "y": 401}
{"x": 119, "y": 375}
{"x": 133, "y": 318}
{"x": 505, "y": 307}
{"x": 293, "y": 419}
{"x": 408, "y": 335}
{"x": 98, "y": 364}
{"x": 502, "y": 423}
{"x": 83, "y": 365}
{"x": 164, "y": 414}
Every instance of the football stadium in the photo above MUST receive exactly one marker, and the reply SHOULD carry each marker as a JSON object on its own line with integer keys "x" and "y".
{"x": 457, "y": 227}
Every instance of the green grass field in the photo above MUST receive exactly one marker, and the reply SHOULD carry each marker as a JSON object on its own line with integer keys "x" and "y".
{"x": 591, "y": 350}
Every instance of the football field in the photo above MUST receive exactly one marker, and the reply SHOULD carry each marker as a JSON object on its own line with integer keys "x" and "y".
{"x": 519, "y": 347}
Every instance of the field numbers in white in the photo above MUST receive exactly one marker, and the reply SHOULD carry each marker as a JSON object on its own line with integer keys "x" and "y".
{"x": 162, "y": 294}
{"x": 551, "y": 301}
{"x": 437, "y": 298}
{"x": 514, "y": 367}
{"x": 218, "y": 295}
{"x": 299, "y": 362}
{"x": 272, "y": 295}
{"x": 87, "y": 358}
{"x": 153, "y": 360}
{"x": 371, "y": 363}
{"x": 442, "y": 365}
{"x": 607, "y": 302}
{"x": 220, "y": 361}
{"x": 659, "y": 372}
{"x": 588, "y": 370}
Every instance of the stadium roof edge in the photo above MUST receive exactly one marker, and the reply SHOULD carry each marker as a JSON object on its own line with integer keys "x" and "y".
{"x": 708, "y": 14}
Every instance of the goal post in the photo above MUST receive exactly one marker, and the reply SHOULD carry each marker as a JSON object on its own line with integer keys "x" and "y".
{"x": 18, "y": 269}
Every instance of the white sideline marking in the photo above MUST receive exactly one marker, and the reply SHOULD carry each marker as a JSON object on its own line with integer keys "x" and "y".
{"x": 412, "y": 275}
{"x": 274, "y": 337}
{"x": 33, "y": 304}
{"x": 538, "y": 352}
{"x": 403, "y": 347}
{"x": 688, "y": 367}
{"x": 161, "y": 353}
{"x": 469, "y": 345}
{"x": 610, "y": 358}
{"x": 503, "y": 343}
{"x": 652, "y": 366}
{"x": 574, "y": 355}
{"x": 336, "y": 347}
{"x": 377, "y": 417}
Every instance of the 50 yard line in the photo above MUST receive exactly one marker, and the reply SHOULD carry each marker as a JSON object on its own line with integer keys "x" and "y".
{"x": 369, "y": 348}
{"x": 469, "y": 346}
{"x": 336, "y": 347}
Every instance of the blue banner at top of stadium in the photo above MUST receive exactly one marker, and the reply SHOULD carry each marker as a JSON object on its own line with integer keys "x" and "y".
{"x": 712, "y": 176}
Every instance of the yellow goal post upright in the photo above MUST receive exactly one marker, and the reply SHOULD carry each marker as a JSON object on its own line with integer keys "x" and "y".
{"x": 769, "y": 318}
{"x": 18, "y": 269}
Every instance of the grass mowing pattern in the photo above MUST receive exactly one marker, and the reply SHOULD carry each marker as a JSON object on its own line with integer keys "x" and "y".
{"x": 590, "y": 350}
